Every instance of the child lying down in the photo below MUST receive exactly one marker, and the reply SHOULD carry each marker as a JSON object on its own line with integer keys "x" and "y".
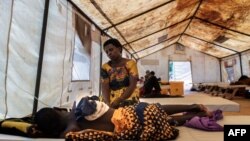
{"x": 94, "y": 120}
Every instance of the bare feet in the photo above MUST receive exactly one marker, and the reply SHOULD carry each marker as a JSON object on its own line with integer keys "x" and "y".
{"x": 205, "y": 110}
{"x": 200, "y": 108}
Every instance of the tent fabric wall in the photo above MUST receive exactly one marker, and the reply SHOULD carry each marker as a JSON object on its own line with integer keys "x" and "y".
{"x": 200, "y": 63}
{"x": 236, "y": 68}
{"x": 5, "y": 20}
{"x": 20, "y": 54}
{"x": 21, "y": 25}
{"x": 245, "y": 57}
{"x": 59, "y": 90}
{"x": 57, "y": 55}
{"x": 246, "y": 63}
{"x": 202, "y": 70}
{"x": 211, "y": 70}
{"x": 95, "y": 82}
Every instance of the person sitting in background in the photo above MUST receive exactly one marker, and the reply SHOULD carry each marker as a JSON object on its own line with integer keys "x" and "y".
{"x": 159, "y": 79}
{"x": 93, "y": 119}
{"x": 147, "y": 75}
{"x": 141, "y": 80}
{"x": 151, "y": 87}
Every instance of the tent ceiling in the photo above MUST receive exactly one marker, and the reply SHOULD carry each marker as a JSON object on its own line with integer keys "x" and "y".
{"x": 219, "y": 28}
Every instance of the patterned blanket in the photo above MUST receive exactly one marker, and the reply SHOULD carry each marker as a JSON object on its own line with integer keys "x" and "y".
{"x": 144, "y": 122}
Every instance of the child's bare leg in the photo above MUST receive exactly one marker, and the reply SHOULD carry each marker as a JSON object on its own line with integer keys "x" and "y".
{"x": 181, "y": 119}
{"x": 173, "y": 109}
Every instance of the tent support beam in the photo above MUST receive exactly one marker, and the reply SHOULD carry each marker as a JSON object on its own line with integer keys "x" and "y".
{"x": 157, "y": 50}
{"x": 173, "y": 44}
{"x": 108, "y": 19}
{"x": 41, "y": 52}
{"x": 139, "y": 15}
{"x": 87, "y": 17}
{"x": 220, "y": 70}
{"x": 208, "y": 54}
{"x": 210, "y": 42}
{"x": 158, "y": 31}
{"x": 229, "y": 56}
{"x": 222, "y": 26}
{"x": 100, "y": 65}
{"x": 197, "y": 8}
{"x": 241, "y": 70}
{"x": 157, "y": 43}
{"x": 239, "y": 54}
{"x": 245, "y": 51}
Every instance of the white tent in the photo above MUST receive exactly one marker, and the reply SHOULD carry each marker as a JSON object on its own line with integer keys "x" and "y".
{"x": 37, "y": 47}
{"x": 39, "y": 39}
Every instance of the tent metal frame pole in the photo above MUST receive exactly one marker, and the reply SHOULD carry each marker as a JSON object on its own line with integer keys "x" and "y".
{"x": 133, "y": 17}
{"x": 191, "y": 19}
{"x": 156, "y": 51}
{"x": 210, "y": 42}
{"x": 157, "y": 44}
{"x": 110, "y": 21}
{"x": 87, "y": 17}
{"x": 241, "y": 70}
{"x": 220, "y": 70}
{"x": 223, "y": 27}
{"x": 158, "y": 31}
{"x": 41, "y": 52}
{"x": 168, "y": 66}
{"x": 229, "y": 56}
{"x": 100, "y": 65}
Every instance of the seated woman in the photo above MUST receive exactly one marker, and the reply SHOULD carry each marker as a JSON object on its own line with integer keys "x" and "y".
{"x": 92, "y": 119}
{"x": 151, "y": 87}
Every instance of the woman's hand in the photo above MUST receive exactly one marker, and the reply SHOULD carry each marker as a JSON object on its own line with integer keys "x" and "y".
{"x": 115, "y": 104}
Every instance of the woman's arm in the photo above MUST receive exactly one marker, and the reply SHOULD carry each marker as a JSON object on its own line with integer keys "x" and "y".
{"x": 106, "y": 92}
{"x": 130, "y": 89}
{"x": 105, "y": 85}
{"x": 127, "y": 93}
{"x": 133, "y": 77}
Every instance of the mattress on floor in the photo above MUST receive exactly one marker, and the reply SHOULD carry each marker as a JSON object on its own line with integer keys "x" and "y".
{"x": 5, "y": 137}
{"x": 190, "y": 134}
{"x": 212, "y": 102}
{"x": 186, "y": 133}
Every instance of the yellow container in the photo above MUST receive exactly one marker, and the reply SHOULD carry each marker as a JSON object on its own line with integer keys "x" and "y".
{"x": 176, "y": 88}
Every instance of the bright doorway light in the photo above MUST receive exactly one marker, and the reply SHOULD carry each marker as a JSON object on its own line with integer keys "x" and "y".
{"x": 181, "y": 71}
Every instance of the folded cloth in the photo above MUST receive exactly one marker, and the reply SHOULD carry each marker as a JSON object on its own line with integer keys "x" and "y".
{"x": 101, "y": 108}
{"x": 217, "y": 115}
{"x": 21, "y": 126}
{"x": 206, "y": 123}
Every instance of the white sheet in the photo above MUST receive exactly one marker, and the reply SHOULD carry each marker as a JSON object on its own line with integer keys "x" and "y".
{"x": 186, "y": 134}
{"x": 212, "y": 102}
{"x": 190, "y": 134}
{"x": 4, "y": 137}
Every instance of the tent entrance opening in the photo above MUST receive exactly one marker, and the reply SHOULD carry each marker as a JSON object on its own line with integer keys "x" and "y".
{"x": 181, "y": 71}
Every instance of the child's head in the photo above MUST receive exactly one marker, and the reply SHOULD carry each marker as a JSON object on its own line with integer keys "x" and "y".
{"x": 48, "y": 121}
